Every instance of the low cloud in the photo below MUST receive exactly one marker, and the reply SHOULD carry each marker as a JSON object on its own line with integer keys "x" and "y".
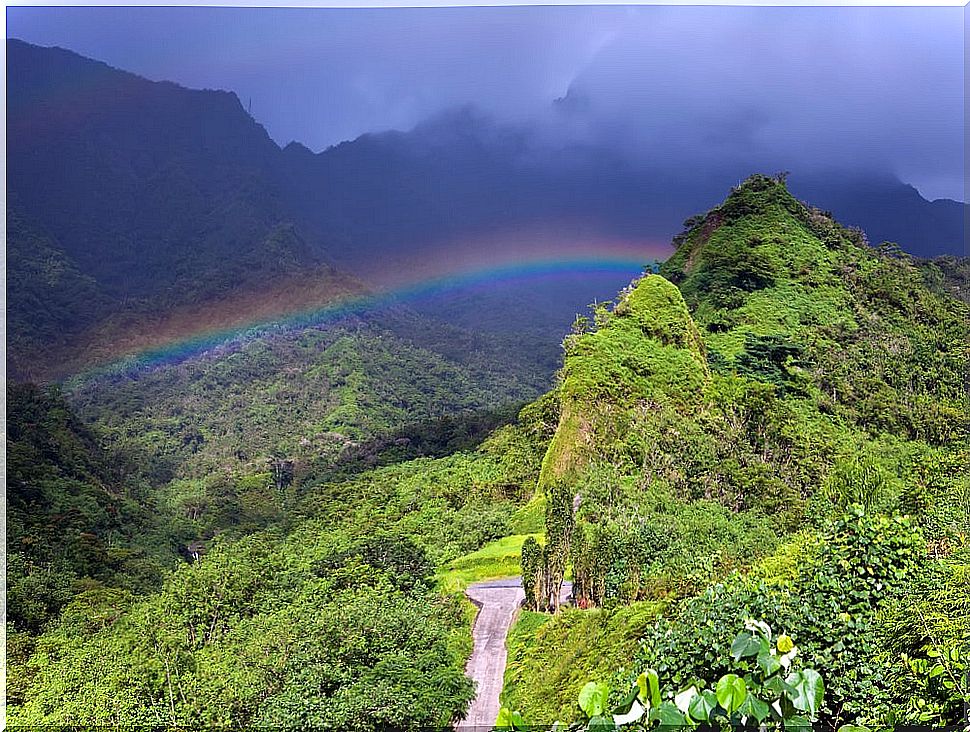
{"x": 673, "y": 87}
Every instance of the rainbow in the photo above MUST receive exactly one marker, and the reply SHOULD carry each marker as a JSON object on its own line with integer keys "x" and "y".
{"x": 477, "y": 279}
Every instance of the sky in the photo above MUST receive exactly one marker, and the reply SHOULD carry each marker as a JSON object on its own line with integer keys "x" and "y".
{"x": 771, "y": 87}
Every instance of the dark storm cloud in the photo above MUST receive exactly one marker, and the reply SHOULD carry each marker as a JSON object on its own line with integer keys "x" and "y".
{"x": 791, "y": 87}
{"x": 798, "y": 88}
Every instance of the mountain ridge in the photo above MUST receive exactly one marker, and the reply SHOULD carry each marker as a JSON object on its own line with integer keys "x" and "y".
{"x": 168, "y": 198}
{"x": 737, "y": 436}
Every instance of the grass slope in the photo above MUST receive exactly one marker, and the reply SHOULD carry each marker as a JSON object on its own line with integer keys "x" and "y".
{"x": 550, "y": 658}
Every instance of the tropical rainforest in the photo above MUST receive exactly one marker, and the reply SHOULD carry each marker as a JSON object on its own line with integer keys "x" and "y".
{"x": 751, "y": 463}
{"x": 772, "y": 428}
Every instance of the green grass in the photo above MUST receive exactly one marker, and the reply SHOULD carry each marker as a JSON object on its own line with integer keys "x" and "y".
{"x": 497, "y": 559}
{"x": 530, "y": 518}
{"x": 551, "y": 657}
{"x": 460, "y": 641}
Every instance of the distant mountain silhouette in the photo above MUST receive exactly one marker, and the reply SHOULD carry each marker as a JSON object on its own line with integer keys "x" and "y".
{"x": 154, "y": 197}
{"x": 149, "y": 196}
{"x": 889, "y": 210}
{"x": 149, "y": 187}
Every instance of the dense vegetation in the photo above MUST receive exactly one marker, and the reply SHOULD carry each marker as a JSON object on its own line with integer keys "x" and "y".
{"x": 949, "y": 273}
{"x": 766, "y": 687}
{"x": 313, "y": 604}
{"x": 798, "y": 402}
{"x": 347, "y": 393}
{"x": 753, "y": 467}
{"x": 74, "y": 515}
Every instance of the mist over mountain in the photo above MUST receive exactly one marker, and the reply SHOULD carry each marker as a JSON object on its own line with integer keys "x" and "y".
{"x": 462, "y": 172}
{"x": 805, "y": 89}
{"x": 155, "y": 197}
{"x": 595, "y": 414}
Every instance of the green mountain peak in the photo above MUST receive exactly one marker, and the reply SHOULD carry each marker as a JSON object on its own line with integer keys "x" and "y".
{"x": 776, "y": 353}
{"x": 645, "y": 351}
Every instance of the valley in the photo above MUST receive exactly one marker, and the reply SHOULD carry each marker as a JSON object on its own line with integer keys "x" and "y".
{"x": 705, "y": 454}
{"x": 444, "y": 429}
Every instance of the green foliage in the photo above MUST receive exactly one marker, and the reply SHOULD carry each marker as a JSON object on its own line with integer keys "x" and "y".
{"x": 858, "y": 482}
{"x": 928, "y": 627}
{"x": 744, "y": 444}
{"x": 544, "y": 567}
{"x": 863, "y": 563}
{"x": 332, "y": 401}
{"x": 668, "y": 549}
{"x": 48, "y": 298}
{"x": 252, "y": 636}
{"x": 948, "y": 274}
{"x": 551, "y": 657}
{"x": 832, "y": 367}
{"x": 771, "y": 694}
{"x": 532, "y": 563}
{"x": 405, "y": 563}
{"x": 789, "y": 406}
{"x": 646, "y": 347}
{"x": 497, "y": 559}
{"x": 769, "y": 359}
{"x": 940, "y": 496}
{"x": 889, "y": 352}
{"x": 329, "y": 614}
{"x": 76, "y": 517}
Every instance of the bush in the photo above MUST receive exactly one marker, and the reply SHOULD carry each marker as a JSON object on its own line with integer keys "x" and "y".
{"x": 864, "y": 561}
{"x": 764, "y": 689}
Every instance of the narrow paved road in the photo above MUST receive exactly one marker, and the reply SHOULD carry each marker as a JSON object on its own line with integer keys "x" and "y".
{"x": 498, "y": 601}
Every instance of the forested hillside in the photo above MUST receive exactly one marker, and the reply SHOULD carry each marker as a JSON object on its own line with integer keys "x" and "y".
{"x": 952, "y": 274}
{"x": 320, "y": 608}
{"x": 314, "y": 398}
{"x": 774, "y": 428}
{"x": 131, "y": 202}
{"x": 142, "y": 212}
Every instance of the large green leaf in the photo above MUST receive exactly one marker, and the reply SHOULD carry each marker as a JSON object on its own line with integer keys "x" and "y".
{"x": 754, "y": 707}
{"x": 507, "y": 719}
{"x": 668, "y": 716}
{"x": 592, "y": 699}
{"x": 702, "y": 705}
{"x": 601, "y": 723}
{"x": 769, "y": 663}
{"x": 731, "y": 692}
{"x": 627, "y": 701}
{"x": 745, "y": 644}
{"x": 649, "y": 683}
{"x": 806, "y": 690}
{"x": 778, "y": 687}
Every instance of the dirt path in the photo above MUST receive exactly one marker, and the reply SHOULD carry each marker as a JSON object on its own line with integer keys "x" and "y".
{"x": 498, "y": 601}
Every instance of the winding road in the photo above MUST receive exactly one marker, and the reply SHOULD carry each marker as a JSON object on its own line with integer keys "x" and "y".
{"x": 498, "y": 601}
